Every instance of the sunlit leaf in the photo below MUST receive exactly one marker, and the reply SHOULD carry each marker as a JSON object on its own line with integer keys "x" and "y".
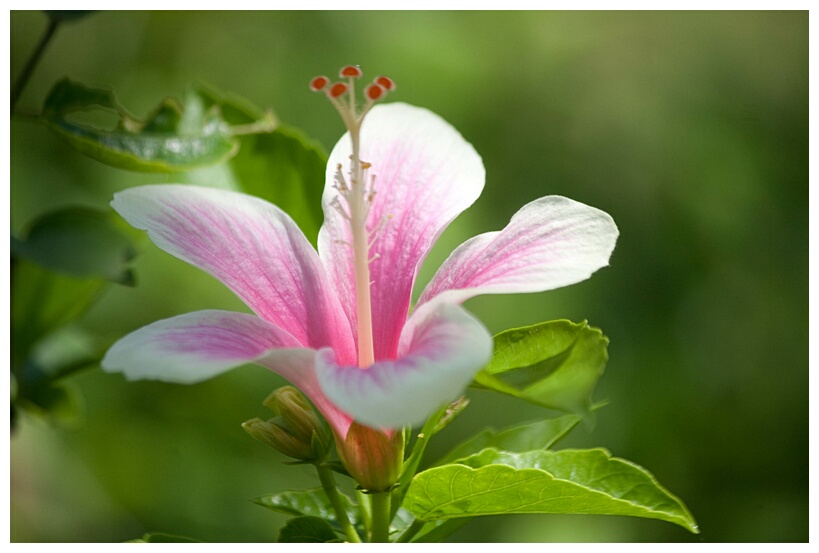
{"x": 174, "y": 138}
{"x": 526, "y": 437}
{"x": 566, "y": 482}
{"x": 78, "y": 241}
{"x": 307, "y": 530}
{"x": 554, "y": 364}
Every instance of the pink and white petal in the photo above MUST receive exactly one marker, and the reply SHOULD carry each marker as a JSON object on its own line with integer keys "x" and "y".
{"x": 197, "y": 346}
{"x": 250, "y": 245}
{"x": 442, "y": 348}
{"x": 426, "y": 174}
{"x": 551, "y": 242}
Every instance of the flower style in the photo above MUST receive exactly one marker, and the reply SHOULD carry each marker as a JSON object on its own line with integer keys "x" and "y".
{"x": 308, "y": 324}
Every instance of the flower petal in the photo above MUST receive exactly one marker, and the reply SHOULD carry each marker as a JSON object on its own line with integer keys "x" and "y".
{"x": 441, "y": 350}
{"x": 426, "y": 174}
{"x": 549, "y": 243}
{"x": 251, "y": 246}
{"x": 196, "y": 346}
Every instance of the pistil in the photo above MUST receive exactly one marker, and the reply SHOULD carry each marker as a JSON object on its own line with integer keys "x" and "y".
{"x": 357, "y": 194}
{"x": 359, "y": 208}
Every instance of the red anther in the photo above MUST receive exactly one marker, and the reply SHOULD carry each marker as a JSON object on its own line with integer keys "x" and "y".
{"x": 318, "y": 83}
{"x": 337, "y": 90}
{"x": 375, "y": 91}
{"x": 350, "y": 71}
{"x": 386, "y": 82}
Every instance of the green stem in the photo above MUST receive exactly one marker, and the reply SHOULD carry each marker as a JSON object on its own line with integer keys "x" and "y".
{"x": 267, "y": 123}
{"x": 329, "y": 485}
{"x": 32, "y": 62}
{"x": 381, "y": 517}
{"x": 410, "y": 532}
{"x": 364, "y": 510}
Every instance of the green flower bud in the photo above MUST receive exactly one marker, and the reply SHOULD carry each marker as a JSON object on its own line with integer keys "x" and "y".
{"x": 297, "y": 413}
{"x": 297, "y": 431}
{"x": 372, "y": 457}
{"x": 274, "y": 434}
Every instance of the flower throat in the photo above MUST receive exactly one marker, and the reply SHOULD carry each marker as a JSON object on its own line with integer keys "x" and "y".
{"x": 356, "y": 193}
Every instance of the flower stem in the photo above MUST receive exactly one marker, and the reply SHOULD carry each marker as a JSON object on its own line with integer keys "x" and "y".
{"x": 364, "y": 510}
{"x": 381, "y": 517}
{"x": 33, "y": 61}
{"x": 329, "y": 485}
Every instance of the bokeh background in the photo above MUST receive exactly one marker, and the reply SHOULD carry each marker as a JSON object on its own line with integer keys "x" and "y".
{"x": 690, "y": 129}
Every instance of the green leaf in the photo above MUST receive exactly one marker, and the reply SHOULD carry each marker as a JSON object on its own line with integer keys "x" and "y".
{"x": 42, "y": 301}
{"x": 81, "y": 242}
{"x": 312, "y": 503}
{"x": 307, "y": 530}
{"x": 158, "y": 537}
{"x": 554, "y": 364}
{"x": 40, "y": 386}
{"x": 527, "y": 437}
{"x": 401, "y": 520}
{"x": 172, "y": 139}
{"x": 566, "y": 482}
{"x": 235, "y": 110}
{"x": 441, "y": 531}
{"x": 286, "y": 169}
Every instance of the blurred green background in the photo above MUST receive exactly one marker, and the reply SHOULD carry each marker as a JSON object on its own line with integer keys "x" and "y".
{"x": 690, "y": 129}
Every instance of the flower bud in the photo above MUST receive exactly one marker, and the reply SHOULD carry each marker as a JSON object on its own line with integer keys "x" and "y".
{"x": 299, "y": 416}
{"x": 297, "y": 431}
{"x": 372, "y": 457}
{"x": 274, "y": 434}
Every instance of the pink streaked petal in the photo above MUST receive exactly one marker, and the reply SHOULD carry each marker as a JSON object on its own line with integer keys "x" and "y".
{"x": 426, "y": 174}
{"x": 441, "y": 349}
{"x": 250, "y": 245}
{"x": 197, "y": 346}
{"x": 549, "y": 243}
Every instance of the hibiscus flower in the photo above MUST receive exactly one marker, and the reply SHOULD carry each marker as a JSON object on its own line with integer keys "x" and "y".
{"x": 370, "y": 359}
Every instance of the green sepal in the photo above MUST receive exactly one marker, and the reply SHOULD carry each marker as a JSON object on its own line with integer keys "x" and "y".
{"x": 451, "y": 413}
{"x": 563, "y": 482}
{"x": 554, "y": 364}
{"x": 336, "y": 466}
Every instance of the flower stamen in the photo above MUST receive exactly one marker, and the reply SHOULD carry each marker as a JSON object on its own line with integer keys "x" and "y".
{"x": 357, "y": 195}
